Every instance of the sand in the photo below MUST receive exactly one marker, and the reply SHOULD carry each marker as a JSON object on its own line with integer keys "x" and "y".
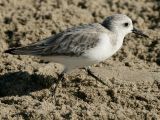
{"x": 132, "y": 75}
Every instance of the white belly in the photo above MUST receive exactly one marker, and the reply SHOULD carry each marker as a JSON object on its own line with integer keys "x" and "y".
{"x": 70, "y": 62}
{"x": 103, "y": 50}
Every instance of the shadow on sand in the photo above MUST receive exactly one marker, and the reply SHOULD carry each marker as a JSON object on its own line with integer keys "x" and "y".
{"x": 22, "y": 83}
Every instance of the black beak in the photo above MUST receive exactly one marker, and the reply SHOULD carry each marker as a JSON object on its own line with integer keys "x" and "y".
{"x": 139, "y": 32}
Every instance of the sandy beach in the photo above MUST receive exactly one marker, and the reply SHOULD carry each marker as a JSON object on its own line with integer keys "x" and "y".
{"x": 132, "y": 75}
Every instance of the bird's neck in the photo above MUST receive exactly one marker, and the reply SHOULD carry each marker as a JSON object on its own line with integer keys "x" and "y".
{"x": 119, "y": 41}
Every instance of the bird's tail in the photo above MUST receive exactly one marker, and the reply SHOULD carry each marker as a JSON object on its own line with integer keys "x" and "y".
{"x": 28, "y": 50}
{"x": 10, "y": 51}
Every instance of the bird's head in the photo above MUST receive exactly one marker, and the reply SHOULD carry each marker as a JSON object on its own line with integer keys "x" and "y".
{"x": 121, "y": 25}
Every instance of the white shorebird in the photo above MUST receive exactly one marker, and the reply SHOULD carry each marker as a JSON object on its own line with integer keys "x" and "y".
{"x": 83, "y": 45}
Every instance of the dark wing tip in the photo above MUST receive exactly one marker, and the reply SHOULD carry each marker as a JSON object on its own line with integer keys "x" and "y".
{"x": 10, "y": 51}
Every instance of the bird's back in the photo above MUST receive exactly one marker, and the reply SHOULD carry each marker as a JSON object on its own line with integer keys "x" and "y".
{"x": 72, "y": 42}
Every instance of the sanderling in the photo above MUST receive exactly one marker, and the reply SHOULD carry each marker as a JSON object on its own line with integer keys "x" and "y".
{"x": 83, "y": 45}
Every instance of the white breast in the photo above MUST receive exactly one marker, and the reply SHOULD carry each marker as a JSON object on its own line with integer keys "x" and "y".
{"x": 103, "y": 50}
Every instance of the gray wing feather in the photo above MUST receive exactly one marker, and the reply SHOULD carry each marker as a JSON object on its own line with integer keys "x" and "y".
{"x": 73, "y": 41}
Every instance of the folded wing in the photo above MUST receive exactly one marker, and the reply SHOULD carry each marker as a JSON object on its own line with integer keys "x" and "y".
{"x": 72, "y": 42}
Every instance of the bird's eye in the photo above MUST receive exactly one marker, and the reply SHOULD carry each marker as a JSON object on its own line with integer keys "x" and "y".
{"x": 126, "y": 24}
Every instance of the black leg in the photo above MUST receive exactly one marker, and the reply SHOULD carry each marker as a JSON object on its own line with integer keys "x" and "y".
{"x": 87, "y": 69}
{"x": 54, "y": 86}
